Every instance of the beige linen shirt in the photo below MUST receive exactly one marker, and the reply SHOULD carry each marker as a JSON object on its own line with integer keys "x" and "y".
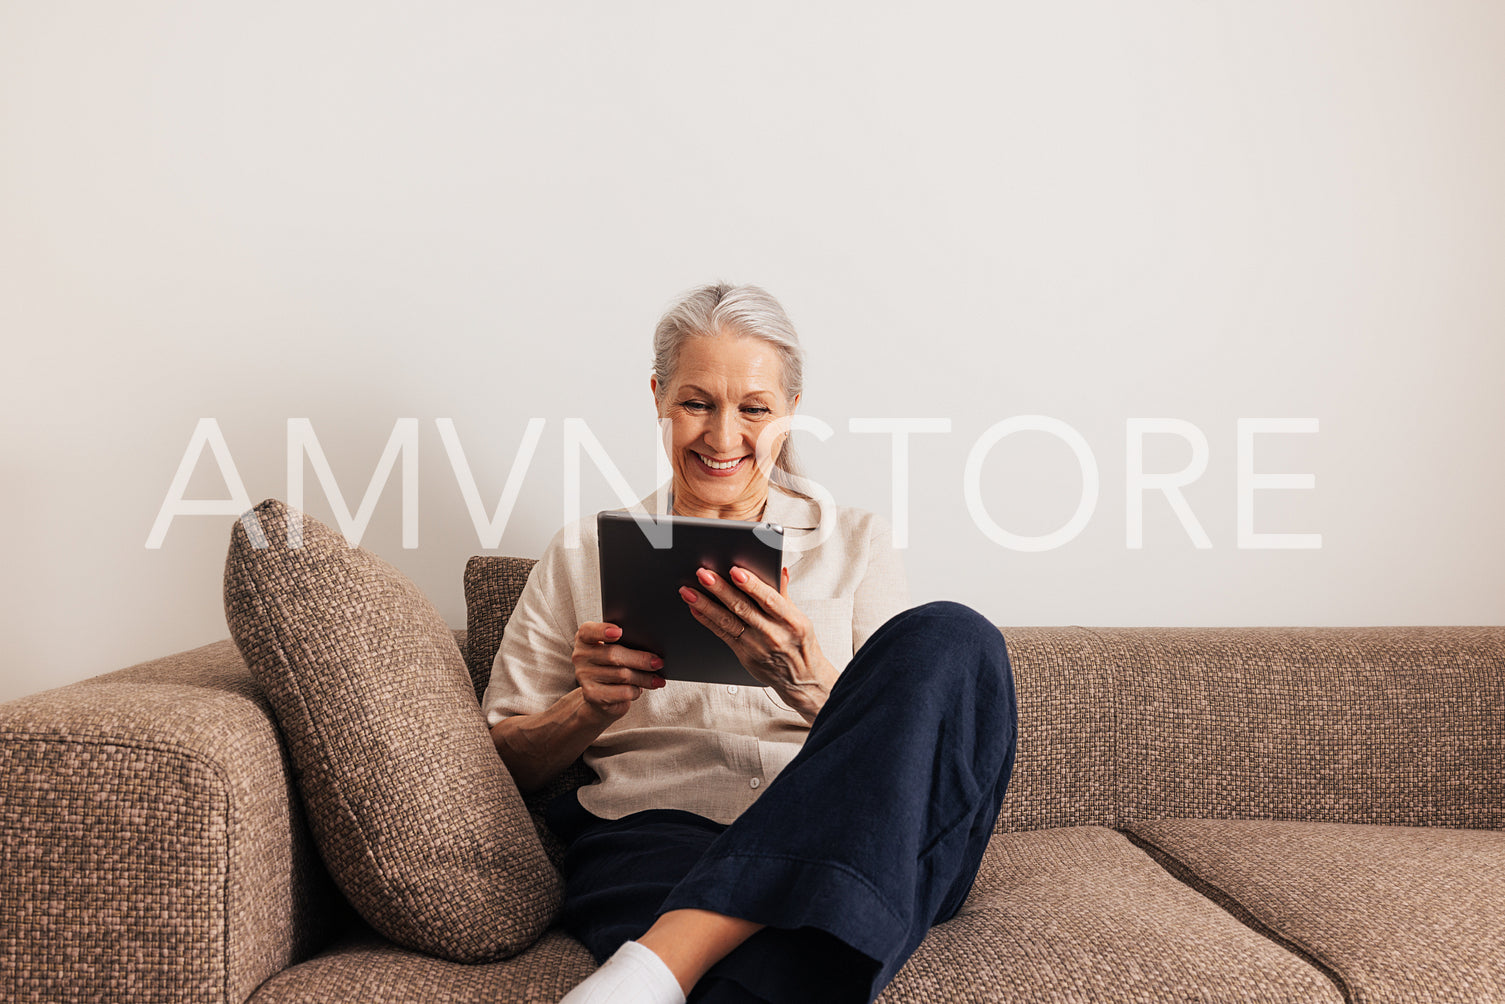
{"x": 704, "y": 748}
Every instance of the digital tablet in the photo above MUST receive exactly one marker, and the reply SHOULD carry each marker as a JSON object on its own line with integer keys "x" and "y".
{"x": 644, "y": 561}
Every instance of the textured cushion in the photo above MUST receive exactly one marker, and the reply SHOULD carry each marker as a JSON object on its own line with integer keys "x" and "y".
{"x": 1081, "y": 914}
{"x": 1063, "y": 774}
{"x": 1394, "y": 913}
{"x": 366, "y": 969}
{"x": 1056, "y": 915}
{"x": 415, "y": 815}
{"x": 1392, "y": 725}
{"x": 1398, "y": 725}
{"x": 492, "y": 585}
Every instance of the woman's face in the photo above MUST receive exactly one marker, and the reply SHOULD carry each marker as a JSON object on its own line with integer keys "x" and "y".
{"x": 725, "y": 393}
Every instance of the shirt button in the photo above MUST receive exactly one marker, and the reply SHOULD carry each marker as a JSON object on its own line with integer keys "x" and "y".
{"x": 732, "y": 690}
{"x": 754, "y": 783}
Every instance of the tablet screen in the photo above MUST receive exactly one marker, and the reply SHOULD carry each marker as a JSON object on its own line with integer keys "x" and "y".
{"x": 644, "y": 561}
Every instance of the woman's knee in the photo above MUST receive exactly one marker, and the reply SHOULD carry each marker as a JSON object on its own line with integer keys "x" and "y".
{"x": 949, "y": 637}
{"x": 948, "y": 622}
{"x": 955, "y": 616}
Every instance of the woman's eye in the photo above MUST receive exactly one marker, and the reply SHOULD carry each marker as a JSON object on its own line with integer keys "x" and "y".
{"x": 695, "y": 405}
{"x": 756, "y": 411}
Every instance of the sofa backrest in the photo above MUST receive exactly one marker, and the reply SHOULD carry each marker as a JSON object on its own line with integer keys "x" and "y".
{"x": 1063, "y": 771}
{"x": 492, "y": 586}
{"x": 1397, "y": 725}
{"x": 1391, "y": 725}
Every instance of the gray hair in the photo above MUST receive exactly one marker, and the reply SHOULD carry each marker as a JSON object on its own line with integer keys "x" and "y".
{"x": 720, "y": 309}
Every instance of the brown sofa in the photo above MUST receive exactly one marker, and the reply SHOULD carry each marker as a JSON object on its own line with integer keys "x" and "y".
{"x": 1215, "y": 814}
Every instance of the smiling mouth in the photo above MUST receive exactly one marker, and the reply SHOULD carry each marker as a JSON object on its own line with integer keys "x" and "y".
{"x": 720, "y": 465}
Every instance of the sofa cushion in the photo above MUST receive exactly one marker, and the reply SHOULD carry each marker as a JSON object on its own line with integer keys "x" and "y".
{"x": 1080, "y": 914}
{"x": 1392, "y": 725}
{"x": 492, "y": 585}
{"x": 1064, "y": 774}
{"x": 1393, "y": 912}
{"x": 415, "y": 815}
{"x": 365, "y": 968}
{"x": 1056, "y": 915}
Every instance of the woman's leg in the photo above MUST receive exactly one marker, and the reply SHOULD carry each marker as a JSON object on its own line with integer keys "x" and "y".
{"x": 617, "y": 872}
{"x": 692, "y": 941}
{"x": 875, "y": 831}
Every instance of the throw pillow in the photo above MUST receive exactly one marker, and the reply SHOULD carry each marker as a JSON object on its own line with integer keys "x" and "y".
{"x": 415, "y": 815}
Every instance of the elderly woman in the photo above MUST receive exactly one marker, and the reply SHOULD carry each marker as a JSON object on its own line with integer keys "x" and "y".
{"x": 784, "y": 843}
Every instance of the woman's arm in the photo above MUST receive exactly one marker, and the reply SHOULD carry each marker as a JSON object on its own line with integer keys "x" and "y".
{"x": 537, "y": 747}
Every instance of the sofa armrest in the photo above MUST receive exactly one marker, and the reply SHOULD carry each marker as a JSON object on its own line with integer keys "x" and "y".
{"x": 154, "y": 843}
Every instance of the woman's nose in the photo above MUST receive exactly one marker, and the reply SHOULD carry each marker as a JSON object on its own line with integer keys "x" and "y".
{"x": 723, "y": 436}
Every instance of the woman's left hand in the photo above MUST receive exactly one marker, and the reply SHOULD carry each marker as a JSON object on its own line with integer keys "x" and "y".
{"x": 772, "y": 639}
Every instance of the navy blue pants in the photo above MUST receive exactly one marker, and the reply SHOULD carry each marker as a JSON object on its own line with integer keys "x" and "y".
{"x": 870, "y": 835}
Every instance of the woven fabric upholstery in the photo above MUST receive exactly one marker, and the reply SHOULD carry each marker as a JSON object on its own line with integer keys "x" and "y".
{"x": 492, "y": 585}
{"x": 1058, "y": 915}
{"x": 1064, "y": 771}
{"x": 1396, "y": 913}
{"x": 415, "y": 815}
{"x": 1394, "y": 725}
{"x": 154, "y": 847}
{"x": 366, "y": 969}
{"x": 1080, "y": 914}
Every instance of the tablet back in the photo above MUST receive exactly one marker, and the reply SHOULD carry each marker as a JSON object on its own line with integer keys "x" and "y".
{"x": 640, "y": 585}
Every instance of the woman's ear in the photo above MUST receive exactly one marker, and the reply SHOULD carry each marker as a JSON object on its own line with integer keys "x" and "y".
{"x": 795, "y": 403}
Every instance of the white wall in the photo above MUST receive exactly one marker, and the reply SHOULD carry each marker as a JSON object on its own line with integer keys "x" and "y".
{"x": 1095, "y": 211}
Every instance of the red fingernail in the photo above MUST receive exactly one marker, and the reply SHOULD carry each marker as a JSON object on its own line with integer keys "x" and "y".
{"x": 688, "y": 593}
{"x": 738, "y": 575}
{"x": 656, "y": 662}
{"x": 613, "y": 633}
{"x": 705, "y": 576}
{"x": 660, "y": 683}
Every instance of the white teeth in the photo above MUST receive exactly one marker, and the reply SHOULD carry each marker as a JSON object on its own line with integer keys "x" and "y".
{"x": 719, "y": 466}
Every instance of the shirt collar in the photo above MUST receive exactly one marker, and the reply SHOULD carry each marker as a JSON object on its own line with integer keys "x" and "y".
{"x": 791, "y": 511}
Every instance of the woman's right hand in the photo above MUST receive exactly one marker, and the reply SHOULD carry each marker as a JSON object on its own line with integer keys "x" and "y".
{"x": 612, "y": 676}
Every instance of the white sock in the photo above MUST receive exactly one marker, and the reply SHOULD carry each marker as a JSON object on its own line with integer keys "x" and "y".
{"x": 634, "y": 975}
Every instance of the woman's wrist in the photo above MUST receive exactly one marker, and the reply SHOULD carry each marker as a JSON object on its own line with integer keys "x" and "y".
{"x": 809, "y": 697}
{"x": 587, "y": 719}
